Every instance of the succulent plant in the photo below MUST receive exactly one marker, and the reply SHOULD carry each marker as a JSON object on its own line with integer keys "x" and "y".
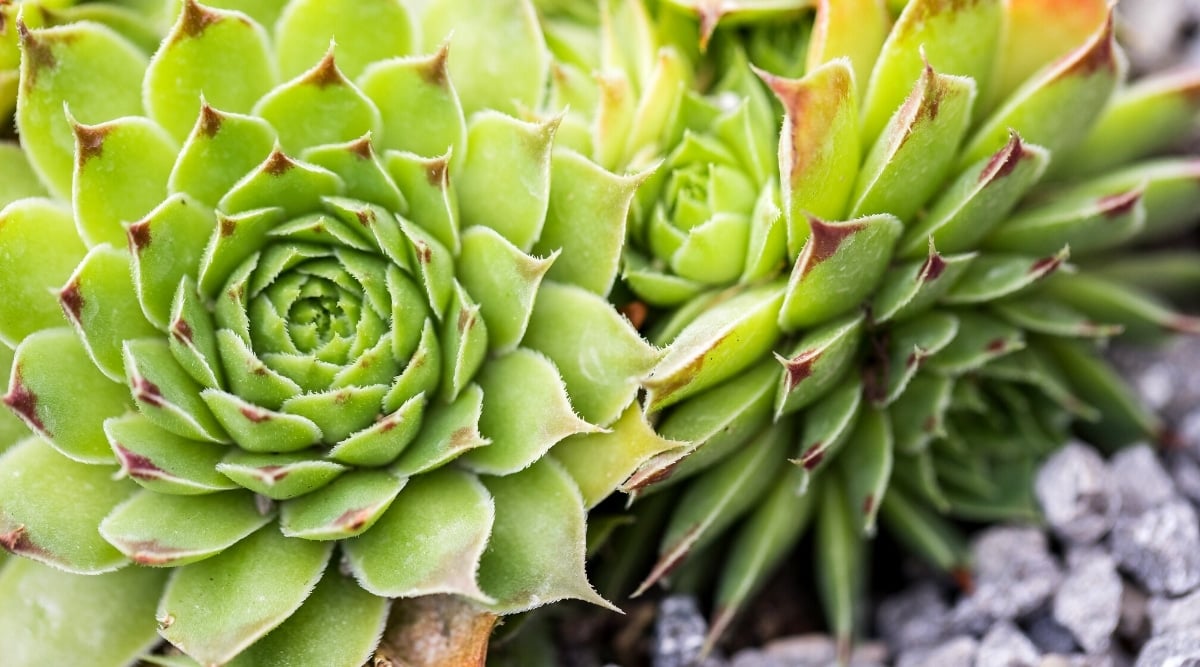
{"x": 881, "y": 322}
{"x": 303, "y": 317}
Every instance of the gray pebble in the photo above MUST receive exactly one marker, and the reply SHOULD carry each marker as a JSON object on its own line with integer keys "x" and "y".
{"x": 1177, "y": 649}
{"x": 912, "y": 618}
{"x": 1185, "y": 471}
{"x": 679, "y": 634}
{"x": 1169, "y": 615}
{"x": 808, "y": 651}
{"x": 955, "y": 652}
{"x": 1077, "y": 660}
{"x": 1140, "y": 478}
{"x": 1015, "y": 573}
{"x": 1049, "y": 635}
{"x": 1006, "y": 646}
{"x": 1160, "y": 548}
{"x": 1077, "y": 494}
{"x": 1089, "y": 601}
{"x": 1165, "y": 377}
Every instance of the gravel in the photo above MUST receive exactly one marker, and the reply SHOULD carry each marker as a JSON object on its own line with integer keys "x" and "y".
{"x": 1160, "y": 548}
{"x": 1088, "y": 603}
{"x": 914, "y": 618}
{"x": 1173, "y": 615}
{"x": 1006, "y": 646}
{"x": 957, "y": 651}
{"x": 1077, "y": 494}
{"x": 1141, "y": 481}
{"x": 679, "y": 634}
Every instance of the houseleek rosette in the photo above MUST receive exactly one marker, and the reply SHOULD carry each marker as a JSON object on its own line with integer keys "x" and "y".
{"x": 295, "y": 331}
{"x": 920, "y": 340}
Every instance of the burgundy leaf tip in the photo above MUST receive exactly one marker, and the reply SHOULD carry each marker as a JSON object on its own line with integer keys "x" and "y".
{"x": 89, "y": 141}
{"x": 825, "y": 239}
{"x": 1115, "y": 206}
{"x": 272, "y": 474}
{"x": 195, "y": 18}
{"x": 136, "y": 465}
{"x": 1097, "y": 54}
{"x": 278, "y": 163}
{"x": 800, "y": 367}
{"x": 210, "y": 121}
{"x": 71, "y": 300}
{"x": 36, "y": 51}
{"x": 437, "y": 173}
{"x": 813, "y": 455}
{"x": 139, "y": 236}
{"x": 148, "y": 392}
{"x": 326, "y": 73}
{"x": 151, "y": 552}
{"x": 23, "y": 402}
{"x": 932, "y": 269}
{"x": 1004, "y": 161}
{"x": 362, "y": 148}
{"x": 182, "y": 331}
{"x": 17, "y": 541}
{"x": 434, "y": 71}
{"x": 868, "y": 504}
{"x": 354, "y": 519}
{"x": 255, "y": 415}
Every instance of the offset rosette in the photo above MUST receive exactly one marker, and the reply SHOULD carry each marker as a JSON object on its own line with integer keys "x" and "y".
{"x": 921, "y": 341}
{"x": 335, "y": 334}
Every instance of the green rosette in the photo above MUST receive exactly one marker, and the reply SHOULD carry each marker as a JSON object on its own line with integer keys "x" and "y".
{"x": 305, "y": 324}
{"x": 934, "y": 260}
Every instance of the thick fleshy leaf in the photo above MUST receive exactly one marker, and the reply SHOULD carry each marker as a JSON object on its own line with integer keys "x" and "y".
{"x": 365, "y": 31}
{"x": 337, "y": 626}
{"x": 924, "y": 531}
{"x": 121, "y": 170}
{"x": 257, "y": 429}
{"x": 321, "y": 106}
{"x": 338, "y": 412}
{"x": 535, "y": 555}
{"x": 429, "y": 541}
{"x": 167, "y": 246}
{"x": 249, "y": 378}
{"x": 382, "y": 441}
{"x": 448, "y": 431}
{"x": 909, "y": 345}
{"x": 162, "y": 461}
{"x": 1140, "y": 313}
{"x": 348, "y": 506}
{"x": 503, "y": 62}
{"x": 819, "y": 148}
{"x": 716, "y": 500}
{"x": 279, "y": 476}
{"x": 817, "y": 362}
{"x": 99, "y": 302}
{"x": 599, "y": 354}
{"x": 839, "y": 547}
{"x": 723, "y": 341}
{"x": 714, "y": 424}
{"x": 1140, "y": 120}
{"x": 195, "y": 61}
{"x": 214, "y": 609}
{"x": 503, "y": 280}
{"x": 1085, "y": 224}
{"x": 1045, "y": 315}
{"x": 20, "y": 180}
{"x": 854, "y": 29}
{"x": 526, "y": 411}
{"x": 1123, "y": 417}
{"x": 997, "y": 275}
{"x": 1030, "y": 41}
{"x": 600, "y": 462}
{"x": 89, "y": 68}
{"x": 916, "y": 151}
{"x": 977, "y": 200}
{"x": 980, "y": 339}
{"x": 586, "y": 221}
{"x": 840, "y": 265}
{"x": 156, "y": 529}
{"x": 108, "y": 618}
{"x": 165, "y": 393}
{"x": 39, "y": 248}
{"x": 1170, "y": 194}
{"x": 917, "y": 416}
{"x": 420, "y": 111}
{"x": 771, "y": 531}
{"x": 51, "y": 371}
{"x": 913, "y": 287}
{"x": 513, "y": 200}
{"x": 1056, "y": 108}
{"x": 222, "y": 148}
{"x": 279, "y": 181}
{"x": 50, "y": 507}
{"x": 952, "y": 37}
{"x": 11, "y": 426}
{"x": 366, "y": 179}
{"x": 426, "y": 185}
{"x": 865, "y": 463}
{"x": 827, "y": 423}
{"x": 464, "y": 343}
